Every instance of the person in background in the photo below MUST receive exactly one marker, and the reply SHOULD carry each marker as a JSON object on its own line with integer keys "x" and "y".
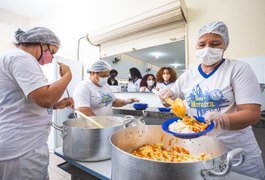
{"x": 226, "y": 92}
{"x": 135, "y": 78}
{"x": 111, "y": 80}
{"x": 148, "y": 83}
{"x": 26, "y": 104}
{"x": 165, "y": 77}
{"x": 93, "y": 96}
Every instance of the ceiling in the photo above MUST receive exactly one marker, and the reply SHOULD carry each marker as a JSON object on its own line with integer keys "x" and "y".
{"x": 24, "y": 7}
{"x": 169, "y": 54}
{"x": 172, "y": 54}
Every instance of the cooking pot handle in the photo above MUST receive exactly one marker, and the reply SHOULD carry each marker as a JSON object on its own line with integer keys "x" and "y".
{"x": 127, "y": 120}
{"x": 60, "y": 128}
{"x": 226, "y": 168}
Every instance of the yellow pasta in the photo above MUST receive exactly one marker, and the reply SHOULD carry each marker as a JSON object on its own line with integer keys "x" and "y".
{"x": 174, "y": 154}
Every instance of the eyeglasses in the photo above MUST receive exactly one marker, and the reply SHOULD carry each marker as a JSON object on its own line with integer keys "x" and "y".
{"x": 50, "y": 51}
{"x": 102, "y": 75}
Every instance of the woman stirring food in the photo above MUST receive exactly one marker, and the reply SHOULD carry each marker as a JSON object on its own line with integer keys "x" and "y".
{"x": 26, "y": 104}
{"x": 93, "y": 96}
{"x": 224, "y": 91}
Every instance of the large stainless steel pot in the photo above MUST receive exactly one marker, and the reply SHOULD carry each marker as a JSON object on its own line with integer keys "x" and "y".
{"x": 129, "y": 167}
{"x": 83, "y": 141}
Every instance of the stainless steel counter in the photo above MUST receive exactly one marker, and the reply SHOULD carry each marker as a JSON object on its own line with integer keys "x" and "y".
{"x": 156, "y": 117}
{"x": 102, "y": 169}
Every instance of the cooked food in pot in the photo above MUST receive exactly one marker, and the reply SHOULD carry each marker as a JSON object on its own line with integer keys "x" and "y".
{"x": 187, "y": 125}
{"x": 174, "y": 154}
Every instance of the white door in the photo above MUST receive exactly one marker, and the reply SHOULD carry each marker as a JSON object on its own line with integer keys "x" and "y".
{"x": 59, "y": 116}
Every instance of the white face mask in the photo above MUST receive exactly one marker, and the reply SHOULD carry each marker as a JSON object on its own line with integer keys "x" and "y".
{"x": 209, "y": 56}
{"x": 102, "y": 81}
{"x": 150, "y": 82}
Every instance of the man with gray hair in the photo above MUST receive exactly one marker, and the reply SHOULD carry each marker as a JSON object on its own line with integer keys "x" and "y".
{"x": 26, "y": 104}
{"x": 93, "y": 96}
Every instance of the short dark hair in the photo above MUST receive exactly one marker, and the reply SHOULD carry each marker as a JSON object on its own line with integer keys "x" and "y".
{"x": 113, "y": 71}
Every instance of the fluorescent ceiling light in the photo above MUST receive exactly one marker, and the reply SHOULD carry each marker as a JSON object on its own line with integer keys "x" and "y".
{"x": 157, "y": 54}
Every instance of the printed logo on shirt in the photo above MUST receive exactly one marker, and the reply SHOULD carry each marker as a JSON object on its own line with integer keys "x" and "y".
{"x": 206, "y": 101}
{"x": 105, "y": 98}
{"x": 49, "y": 110}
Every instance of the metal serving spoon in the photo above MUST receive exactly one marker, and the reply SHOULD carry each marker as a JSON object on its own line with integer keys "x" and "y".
{"x": 73, "y": 108}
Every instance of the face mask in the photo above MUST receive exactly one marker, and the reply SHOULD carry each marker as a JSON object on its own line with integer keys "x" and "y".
{"x": 102, "y": 81}
{"x": 113, "y": 75}
{"x": 150, "y": 83}
{"x": 166, "y": 77}
{"x": 209, "y": 56}
{"x": 46, "y": 57}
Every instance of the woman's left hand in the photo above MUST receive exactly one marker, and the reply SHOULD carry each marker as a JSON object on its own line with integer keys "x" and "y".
{"x": 132, "y": 100}
{"x": 65, "y": 102}
{"x": 221, "y": 120}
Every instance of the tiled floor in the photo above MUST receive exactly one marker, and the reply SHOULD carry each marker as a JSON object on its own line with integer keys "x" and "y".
{"x": 55, "y": 172}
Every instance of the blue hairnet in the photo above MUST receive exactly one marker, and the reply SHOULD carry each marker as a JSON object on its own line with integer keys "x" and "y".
{"x": 37, "y": 35}
{"x": 216, "y": 27}
{"x": 99, "y": 66}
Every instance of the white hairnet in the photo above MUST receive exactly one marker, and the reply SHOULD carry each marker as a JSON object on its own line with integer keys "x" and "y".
{"x": 37, "y": 35}
{"x": 216, "y": 27}
{"x": 99, "y": 66}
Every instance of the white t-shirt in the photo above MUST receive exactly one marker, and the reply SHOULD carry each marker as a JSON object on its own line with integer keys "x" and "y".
{"x": 98, "y": 99}
{"x": 231, "y": 83}
{"x": 148, "y": 90}
{"x": 134, "y": 86}
{"x": 162, "y": 85}
{"x": 23, "y": 124}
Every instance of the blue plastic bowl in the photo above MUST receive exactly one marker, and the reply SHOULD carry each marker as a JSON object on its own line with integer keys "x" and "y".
{"x": 140, "y": 106}
{"x": 190, "y": 135}
{"x": 164, "y": 109}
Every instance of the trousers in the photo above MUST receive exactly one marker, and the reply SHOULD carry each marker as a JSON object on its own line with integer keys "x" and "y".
{"x": 33, "y": 165}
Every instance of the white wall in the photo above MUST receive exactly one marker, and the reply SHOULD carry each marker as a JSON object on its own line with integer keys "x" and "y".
{"x": 74, "y": 20}
{"x": 9, "y": 23}
{"x": 245, "y": 21}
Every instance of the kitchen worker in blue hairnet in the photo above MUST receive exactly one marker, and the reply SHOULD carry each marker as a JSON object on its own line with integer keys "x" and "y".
{"x": 224, "y": 91}
{"x": 93, "y": 96}
{"x": 26, "y": 104}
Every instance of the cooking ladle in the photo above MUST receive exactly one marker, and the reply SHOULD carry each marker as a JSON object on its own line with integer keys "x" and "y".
{"x": 73, "y": 108}
{"x": 177, "y": 105}
{"x": 88, "y": 118}
{"x": 83, "y": 115}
